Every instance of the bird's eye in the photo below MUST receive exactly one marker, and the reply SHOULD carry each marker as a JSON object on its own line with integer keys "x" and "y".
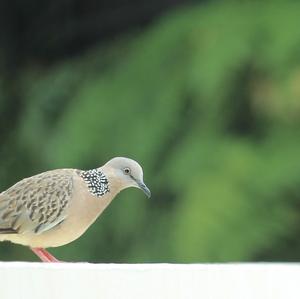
{"x": 127, "y": 170}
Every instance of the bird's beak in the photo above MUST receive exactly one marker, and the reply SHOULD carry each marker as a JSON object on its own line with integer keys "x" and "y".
{"x": 144, "y": 188}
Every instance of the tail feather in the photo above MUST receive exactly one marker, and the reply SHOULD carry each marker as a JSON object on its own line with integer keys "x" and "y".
{"x": 8, "y": 230}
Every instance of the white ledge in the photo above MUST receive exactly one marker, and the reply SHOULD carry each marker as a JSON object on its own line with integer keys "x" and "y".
{"x": 143, "y": 281}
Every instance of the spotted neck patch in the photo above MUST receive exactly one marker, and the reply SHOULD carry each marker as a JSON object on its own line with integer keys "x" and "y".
{"x": 96, "y": 181}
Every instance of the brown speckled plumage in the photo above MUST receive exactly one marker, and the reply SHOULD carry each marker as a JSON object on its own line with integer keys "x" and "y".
{"x": 37, "y": 203}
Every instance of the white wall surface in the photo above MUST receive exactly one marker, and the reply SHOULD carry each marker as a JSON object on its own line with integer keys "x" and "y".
{"x": 143, "y": 281}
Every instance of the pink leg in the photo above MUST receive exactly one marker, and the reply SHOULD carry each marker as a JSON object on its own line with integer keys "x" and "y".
{"x": 44, "y": 255}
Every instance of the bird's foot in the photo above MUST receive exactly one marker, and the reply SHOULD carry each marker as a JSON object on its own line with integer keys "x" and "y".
{"x": 44, "y": 255}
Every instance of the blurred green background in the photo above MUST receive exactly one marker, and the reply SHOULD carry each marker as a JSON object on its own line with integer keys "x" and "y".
{"x": 204, "y": 94}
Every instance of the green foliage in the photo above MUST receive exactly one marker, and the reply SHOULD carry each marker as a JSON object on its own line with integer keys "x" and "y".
{"x": 207, "y": 99}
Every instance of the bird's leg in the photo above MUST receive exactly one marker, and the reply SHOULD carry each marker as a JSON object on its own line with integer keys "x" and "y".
{"x": 44, "y": 255}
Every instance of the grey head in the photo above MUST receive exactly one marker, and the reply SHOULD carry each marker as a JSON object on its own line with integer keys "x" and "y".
{"x": 129, "y": 173}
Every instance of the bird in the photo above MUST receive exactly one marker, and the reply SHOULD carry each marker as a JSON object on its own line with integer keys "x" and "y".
{"x": 56, "y": 207}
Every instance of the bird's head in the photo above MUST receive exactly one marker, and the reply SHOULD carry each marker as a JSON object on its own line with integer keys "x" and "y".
{"x": 128, "y": 173}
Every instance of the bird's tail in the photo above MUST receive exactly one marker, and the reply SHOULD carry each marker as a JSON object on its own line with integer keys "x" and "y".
{"x": 7, "y": 230}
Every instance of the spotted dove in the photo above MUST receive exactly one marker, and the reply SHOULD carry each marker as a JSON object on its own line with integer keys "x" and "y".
{"x": 56, "y": 207}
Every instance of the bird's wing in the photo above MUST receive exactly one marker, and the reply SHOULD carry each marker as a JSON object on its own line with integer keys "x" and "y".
{"x": 36, "y": 204}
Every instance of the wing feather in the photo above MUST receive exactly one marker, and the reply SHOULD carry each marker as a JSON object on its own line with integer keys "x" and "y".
{"x": 36, "y": 204}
